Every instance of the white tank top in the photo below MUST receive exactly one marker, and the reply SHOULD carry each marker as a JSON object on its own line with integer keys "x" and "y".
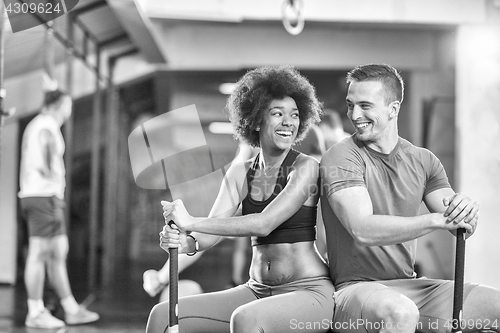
{"x": 32, "y": 182}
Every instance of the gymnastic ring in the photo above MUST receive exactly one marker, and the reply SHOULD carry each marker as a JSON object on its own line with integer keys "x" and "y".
{"x": 296, "y": 7}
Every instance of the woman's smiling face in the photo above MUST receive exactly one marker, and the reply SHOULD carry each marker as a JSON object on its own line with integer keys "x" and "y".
{"x": 280, "y": 124}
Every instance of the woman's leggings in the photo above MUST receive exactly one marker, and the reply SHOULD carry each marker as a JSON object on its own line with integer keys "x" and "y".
{"x": 300, "y": 306}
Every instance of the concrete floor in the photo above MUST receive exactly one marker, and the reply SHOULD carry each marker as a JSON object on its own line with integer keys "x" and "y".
{"x": 123, "y": 307}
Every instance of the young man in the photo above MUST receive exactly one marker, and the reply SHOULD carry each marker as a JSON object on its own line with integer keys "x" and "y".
{"x": 42, "y": 185}
{"x": 374, "y": 183}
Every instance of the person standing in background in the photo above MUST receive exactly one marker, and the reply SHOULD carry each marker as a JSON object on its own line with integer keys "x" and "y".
{"x": 158, "y": 281}
{"x": 42, "y": 186}
{"x": 313, "y": 144}
{"x": 332, "y": 128}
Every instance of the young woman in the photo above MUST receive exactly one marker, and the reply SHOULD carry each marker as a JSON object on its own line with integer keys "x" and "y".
{"x": 289, "y": 288}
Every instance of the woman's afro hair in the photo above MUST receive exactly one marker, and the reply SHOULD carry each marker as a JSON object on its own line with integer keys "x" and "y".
{"x": 255, "y": 91}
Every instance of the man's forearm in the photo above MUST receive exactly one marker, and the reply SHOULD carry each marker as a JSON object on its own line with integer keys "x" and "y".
{"x": 379, "y": 230}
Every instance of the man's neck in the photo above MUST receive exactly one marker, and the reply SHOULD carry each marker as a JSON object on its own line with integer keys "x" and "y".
{"x": 386, "y": 144}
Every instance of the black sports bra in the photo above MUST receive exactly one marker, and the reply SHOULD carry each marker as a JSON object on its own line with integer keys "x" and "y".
{"x": 301, "y": 227}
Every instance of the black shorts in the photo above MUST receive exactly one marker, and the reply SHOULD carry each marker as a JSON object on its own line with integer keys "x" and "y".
{"x": 44, "y": 215}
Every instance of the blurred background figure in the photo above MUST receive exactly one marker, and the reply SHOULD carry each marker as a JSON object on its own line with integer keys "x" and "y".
{"x": 157, "y": 281}
{"x": 42, "y": 186}
{"x": 332, "y": 128}
{"x": 241, "y": 248}
{"x": 313, "y": 144}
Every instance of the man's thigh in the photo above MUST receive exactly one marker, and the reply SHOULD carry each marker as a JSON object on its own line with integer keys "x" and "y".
{"x": 482, "y": 310}
{"x": 355, "y": 305}
{"x": 434, "y": 299}
{"x": 351, "y": 313}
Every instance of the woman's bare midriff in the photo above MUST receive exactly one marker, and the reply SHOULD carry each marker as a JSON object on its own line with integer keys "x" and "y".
{"x": 276, "y": 264}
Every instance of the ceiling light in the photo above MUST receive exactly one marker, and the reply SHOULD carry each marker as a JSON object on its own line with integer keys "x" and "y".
{"x": 227, "y": 88}
{"x": 220, "y": 127}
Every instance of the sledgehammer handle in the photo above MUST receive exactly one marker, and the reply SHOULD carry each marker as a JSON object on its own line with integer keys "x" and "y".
{"x": 458, "y": 295}
{"x": 173, "y": 319}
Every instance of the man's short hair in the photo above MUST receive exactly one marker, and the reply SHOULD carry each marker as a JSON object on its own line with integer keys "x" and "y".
{"x": 386, "y": 74}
